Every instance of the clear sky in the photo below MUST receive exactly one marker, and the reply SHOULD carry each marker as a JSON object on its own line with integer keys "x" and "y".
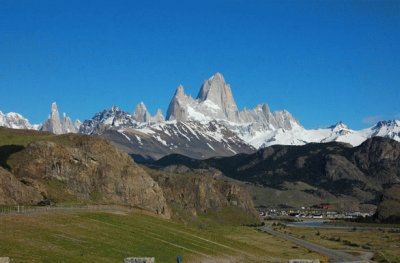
{"x": 324, "y": 61}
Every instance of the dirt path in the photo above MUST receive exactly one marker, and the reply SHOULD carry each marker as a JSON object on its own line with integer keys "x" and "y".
{"x": 334, "y": 255}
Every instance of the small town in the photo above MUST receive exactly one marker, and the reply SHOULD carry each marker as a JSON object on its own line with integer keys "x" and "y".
{"x": 311, "y": 213}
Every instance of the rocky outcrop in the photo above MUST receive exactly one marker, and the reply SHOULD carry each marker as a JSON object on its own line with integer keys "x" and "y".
{"x": 53, "y": 124}
{"x": 191, "y": 193}
{"x": 85, "y": 169}
{"x": 13, "y": 191}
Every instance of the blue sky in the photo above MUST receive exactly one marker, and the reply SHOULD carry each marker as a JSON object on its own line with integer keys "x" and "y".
{"x": 324, "y": 61}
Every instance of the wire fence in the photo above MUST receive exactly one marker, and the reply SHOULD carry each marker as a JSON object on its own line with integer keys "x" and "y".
{"x": 19, "y": 209}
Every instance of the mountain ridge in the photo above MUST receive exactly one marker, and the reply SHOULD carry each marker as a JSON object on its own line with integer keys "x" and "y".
{"x": 214, "y": 106}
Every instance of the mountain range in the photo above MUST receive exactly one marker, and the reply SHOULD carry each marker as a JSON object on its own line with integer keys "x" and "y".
{"x": 209, "y": 125}
{"x": 350, "y": 178}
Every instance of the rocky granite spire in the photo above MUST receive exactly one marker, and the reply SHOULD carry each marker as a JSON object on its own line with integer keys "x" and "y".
{"x": 66, "y": 125}
{"x": 177, "y": 109}
{"x": 216, "y": 91}
{"x": 53, "y": 124}
{"x": 159, "y": 117}
{"x": 141, "y": 114}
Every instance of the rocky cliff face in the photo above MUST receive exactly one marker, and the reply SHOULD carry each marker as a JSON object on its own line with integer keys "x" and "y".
{"x": 81, "y": 169}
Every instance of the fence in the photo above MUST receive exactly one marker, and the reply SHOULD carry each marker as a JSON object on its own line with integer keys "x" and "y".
{"x": 15, "y": 210}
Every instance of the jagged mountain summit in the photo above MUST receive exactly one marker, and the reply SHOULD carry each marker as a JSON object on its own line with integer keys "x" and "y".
{"x": 54, "y": 125}
{"x": 215, "y": 101}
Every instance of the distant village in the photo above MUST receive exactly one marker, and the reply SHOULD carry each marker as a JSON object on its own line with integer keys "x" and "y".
{"x": 322, "y": 211}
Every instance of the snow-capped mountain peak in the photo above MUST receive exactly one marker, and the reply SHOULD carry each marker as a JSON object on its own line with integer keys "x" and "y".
{"x": 339, "y": 126}
{"x": 15, "y": 120}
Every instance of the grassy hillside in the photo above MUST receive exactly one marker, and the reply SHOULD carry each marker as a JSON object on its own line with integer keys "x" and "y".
{"x": 12, "y": 141}
{"x": 24, "y": 137}
{"x": 110, "y": 237}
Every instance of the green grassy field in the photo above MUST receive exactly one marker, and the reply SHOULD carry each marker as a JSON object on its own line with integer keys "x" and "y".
{"x": 24, "y": 137}
{"x": 110, "y": 237}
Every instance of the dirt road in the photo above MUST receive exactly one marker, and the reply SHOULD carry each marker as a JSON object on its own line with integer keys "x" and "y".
{"x": 334, "y": 255}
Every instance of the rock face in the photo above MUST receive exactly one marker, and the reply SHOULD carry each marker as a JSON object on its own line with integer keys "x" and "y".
{"x": 84, "y": 169}
{"x": 389, "y": 206}
{"x": 53, "y": 124}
